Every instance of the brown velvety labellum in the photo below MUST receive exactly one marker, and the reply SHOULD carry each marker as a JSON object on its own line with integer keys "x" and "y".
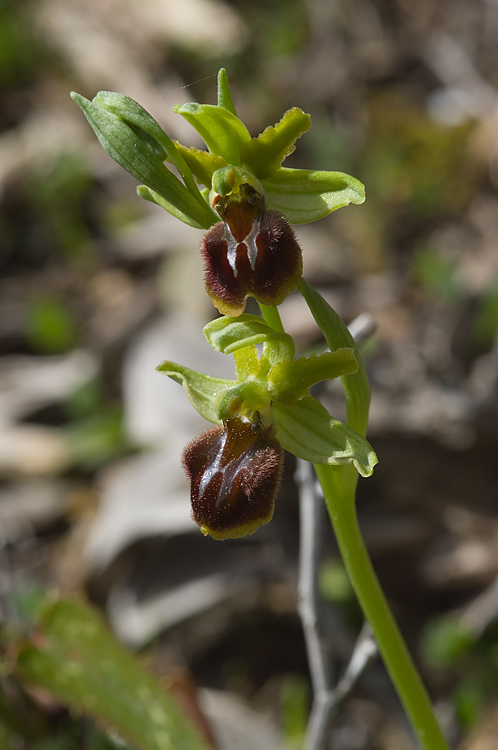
{"x": 234, "y": 475}
{"x": 266, "y": 263}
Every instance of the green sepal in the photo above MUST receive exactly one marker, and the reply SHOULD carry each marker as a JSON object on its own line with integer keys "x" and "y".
{"x": 222, "y": 132}
{"x": 137, "y": 152}
{"x": 201, "y": 163}
{"x": 290, "y": 381}
{"x": 203, "y": 391}
{"x": 150, "y": 195}
{"x": 308, "y": 431}
{"x": 303, "y": 195}
{"x": 228, "y": 335}
{"x": 264, "y": 155}
{"x": 224, "y": 94}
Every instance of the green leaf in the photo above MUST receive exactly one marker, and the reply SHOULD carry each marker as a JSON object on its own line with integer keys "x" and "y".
{"x": 303, "y": 195}
{"x": 222, "y": 132}
{"x": 50, "y": 327}
{"x": 295, "y": 701}
{"x": 150, "y": 195}
{"x": 333, "y": 582}
{"x": 264, "y": 155}
{"x": 74, "y": 655}
{"x": 308, "y": 431}
{"x": 470, "y": 698}
{"x": 224, "y": 95}
{"x": 445, "y": 641}
{"x": 9, "y": 736}
{"x": 291, "y": 380}
{"x": 228, "y": 335}
{"x": 202, "y": 163}
{"x": 97, "y": 439}
{"x": 485, "y": 324}
{"x": 139, "y": 156}
{"x": 203, "y": 391}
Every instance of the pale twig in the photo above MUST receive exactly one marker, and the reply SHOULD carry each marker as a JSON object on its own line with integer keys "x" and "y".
{"x": 311, "y": 522}
{"x": 326, "y": 699}
{"x": 362, "y": 327}
{"x": 8, "y": 609}
{"x": 311, "y": 513}
{"x": 364, "y": 651}
{"x": 327, "y": 704}
{"x": 481, "y": 611}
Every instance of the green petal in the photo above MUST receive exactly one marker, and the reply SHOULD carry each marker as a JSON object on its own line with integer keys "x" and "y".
{"x": 150, "y": 195}
{"x": 290, "y": 381}
{"x": 222, "y": 132}
{"x": 224, "y": 95}
{"x": 264, "y": 155}
{"x": 202, "y": 164}
{"x": 203, "y": 391}
{"x": 306, "y": 195}
{"x": 228, "y": 335}
{"x": 246, "y": 363}
{"x": 138, "y": 154}
{"x": 308, "y": 431}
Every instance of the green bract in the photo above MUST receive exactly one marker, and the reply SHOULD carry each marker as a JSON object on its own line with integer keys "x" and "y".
{"x": 135, "y": 141}
{"x": 276, "y": 386}
{"x": 308, "y": 431}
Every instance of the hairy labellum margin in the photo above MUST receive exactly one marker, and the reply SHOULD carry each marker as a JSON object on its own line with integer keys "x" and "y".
{"x": 251, "y": 253}
{"x": 234, "y": 472}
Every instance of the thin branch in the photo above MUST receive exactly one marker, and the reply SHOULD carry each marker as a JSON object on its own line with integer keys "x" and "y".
{"x": 327, "y": 699}
{"x": 364, "y": 651}
{"x": 362, "y": 327}
{"x": 8, "y": 609}
{"x": 312, "y": 513}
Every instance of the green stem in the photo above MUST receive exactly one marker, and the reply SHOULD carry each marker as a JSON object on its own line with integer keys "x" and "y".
{"x": 391, "y": 645}
{"x": 339, "y": 486}
{"x": 272, "y": 317}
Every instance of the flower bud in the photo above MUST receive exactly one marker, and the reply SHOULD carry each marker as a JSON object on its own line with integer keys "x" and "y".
{"x": 234, "y": 473}
{"x": 132, "y": 137}
{"x": 251, "y": 253}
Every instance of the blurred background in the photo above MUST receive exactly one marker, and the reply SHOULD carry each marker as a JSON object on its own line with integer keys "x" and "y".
{"x": 97, "y": 287}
